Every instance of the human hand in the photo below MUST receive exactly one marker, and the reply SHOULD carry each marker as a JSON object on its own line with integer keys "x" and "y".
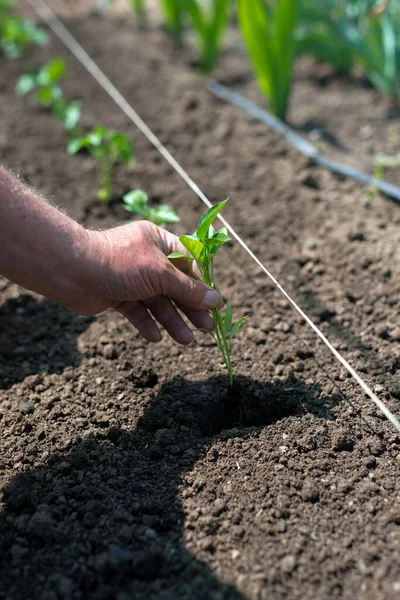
{"x": 128, "y": 270}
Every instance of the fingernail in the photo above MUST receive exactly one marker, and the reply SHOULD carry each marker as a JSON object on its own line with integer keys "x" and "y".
{"x": 211, "y": 299}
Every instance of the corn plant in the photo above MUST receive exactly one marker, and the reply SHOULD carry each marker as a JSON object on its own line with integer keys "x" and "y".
{"x": 368, "y": 31}
{"x": 138, "y": 7}
{"x": 173, "y": 12}
{"x": 136, "y": 201}
{"x": 202, "y": 246}
{"x": 315, "y": 37}
{"x": 16, "y": 33}
{"x": 108, "y": 147}
{"x": 269, "y": 36}
{"x": 209, "y": 20}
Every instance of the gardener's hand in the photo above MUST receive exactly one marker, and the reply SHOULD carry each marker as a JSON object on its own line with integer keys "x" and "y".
{"x": 133, "y": 275}
{"x": 125, "y": 268}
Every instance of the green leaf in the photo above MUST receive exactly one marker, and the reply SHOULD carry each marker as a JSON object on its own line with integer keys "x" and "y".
{"x": 75, "y": 145}
{"x": 136, "y": 202}
{"x": 51, "y": 72}
{"x": 164, "y": 214}
{"x": 236, "y": 327}
{"x": 72, "y": 114}
{"x": 270, "y": 41}
{"x": 179, "y": 255}
{"x": 192, "y": 245}
{"x": 208, "y": 218}
{"x": 26, "y": 83}
{"x": 228, "y": 318}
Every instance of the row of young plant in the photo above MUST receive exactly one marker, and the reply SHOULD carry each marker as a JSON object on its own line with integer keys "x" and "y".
{"x": 345, "y": 33}
{"x": 109, "y": 147}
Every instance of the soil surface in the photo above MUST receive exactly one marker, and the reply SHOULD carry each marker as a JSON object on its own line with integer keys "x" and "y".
{"x": 130, "y": 470}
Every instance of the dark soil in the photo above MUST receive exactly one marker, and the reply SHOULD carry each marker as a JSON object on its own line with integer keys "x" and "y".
{"x": 131, "y": 470}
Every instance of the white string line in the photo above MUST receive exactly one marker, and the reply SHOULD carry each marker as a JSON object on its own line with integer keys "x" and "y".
{"x": 44, "y": 11}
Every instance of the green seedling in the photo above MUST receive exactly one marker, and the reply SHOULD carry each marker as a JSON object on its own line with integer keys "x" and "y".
{"x": 315, "y": 37}
{"x": 17, "y": 34}
{"x": 202, "y": 246}
{"x": 43, "y": 82}
{"x": 108, "y": 147}
{"x": 136, "y": 202}
{"x": 138, "y": 7}
{"x": 382, "y": 162}
{"x": 173, "y": 13}
{"x": 355, "y": 32}
{"x": 48, "y": 94}
{"x": 269, "y": 34}
{"x": 209, "y": 21}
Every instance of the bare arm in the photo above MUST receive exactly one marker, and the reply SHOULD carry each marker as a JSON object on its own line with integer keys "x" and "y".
{"x": 88, "y": 271}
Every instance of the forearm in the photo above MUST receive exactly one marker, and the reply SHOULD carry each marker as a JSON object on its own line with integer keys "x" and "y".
{"x": 40, "y": 248}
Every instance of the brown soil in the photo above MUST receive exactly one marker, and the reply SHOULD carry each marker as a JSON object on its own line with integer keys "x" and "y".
{"x": 130, "y": 470}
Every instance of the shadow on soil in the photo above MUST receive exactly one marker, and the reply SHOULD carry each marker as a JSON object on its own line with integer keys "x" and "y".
{"x": 39, "y": 337}
{"x": 104, "y": 519}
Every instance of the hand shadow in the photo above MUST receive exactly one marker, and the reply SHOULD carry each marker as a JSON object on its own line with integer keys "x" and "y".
{"x": 106, "y": 521}
{"x": 37, "y": 337}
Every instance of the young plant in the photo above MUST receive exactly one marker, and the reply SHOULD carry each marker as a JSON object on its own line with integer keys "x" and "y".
{"x": 363, "y": 32}
{"x": 138, "y": 7}
{"x": 209, "y": 21}
{"x": 49, "y": 95}
{"x": 108, "y": 147}
{"x": 174, "y": 12}
{"x": 17, "y": 34}
{"x": 202, "y": 246}
{"x": 43, "y": 82}
{"x": 269, "y": 36}
{"x": 382, "y": 162}
{"x": 136, "y": 202}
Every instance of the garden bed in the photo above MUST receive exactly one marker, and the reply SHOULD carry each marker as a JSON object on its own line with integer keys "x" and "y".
{"x": 129, "y": 470}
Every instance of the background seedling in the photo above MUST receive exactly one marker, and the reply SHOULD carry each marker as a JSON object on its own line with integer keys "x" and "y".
{"x": 136, "y": 202}
{"x": 17, "y": 34}
{"x": 138, "y": 7}
{"x": 359, "y": 32}
{"x": 269, "y": 36}
{"x": 48, "y": 94}
{"x": 43, "y": 82}
{"x": 202, "y": 246}
{"x": 173, "y": 12}
{"x": 108, "y": 147}
{"x": 209, "y": 21}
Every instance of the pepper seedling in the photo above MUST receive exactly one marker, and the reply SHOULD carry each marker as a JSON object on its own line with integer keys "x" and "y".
{"x": 202, "y": 246}
{"x": 108, "y": 147}
{"x": 44, "y": 83}
{"x": 16, "y": 33}
{"x": 136, "y": 202}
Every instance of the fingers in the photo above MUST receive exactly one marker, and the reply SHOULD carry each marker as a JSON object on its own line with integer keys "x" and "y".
{"x": 167, "y": 315}
{"x": 138, "y": 315}
{"x": 201, "y": 319}
{"x": 187, "y": 291}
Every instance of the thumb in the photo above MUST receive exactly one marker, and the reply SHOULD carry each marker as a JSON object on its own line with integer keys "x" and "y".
{"x": 188, "y": 291}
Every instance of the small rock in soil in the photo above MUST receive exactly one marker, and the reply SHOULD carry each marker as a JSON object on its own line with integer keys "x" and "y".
{"x": 288, "y": 563}
{"x": 110, "y": 351}
{"x": 375, "y": 446}
{"x": 219, "y": 507}
{"x": 26, "y": 409}
{"x": 310, "y": 492}
{"x": 341, "y": 441}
